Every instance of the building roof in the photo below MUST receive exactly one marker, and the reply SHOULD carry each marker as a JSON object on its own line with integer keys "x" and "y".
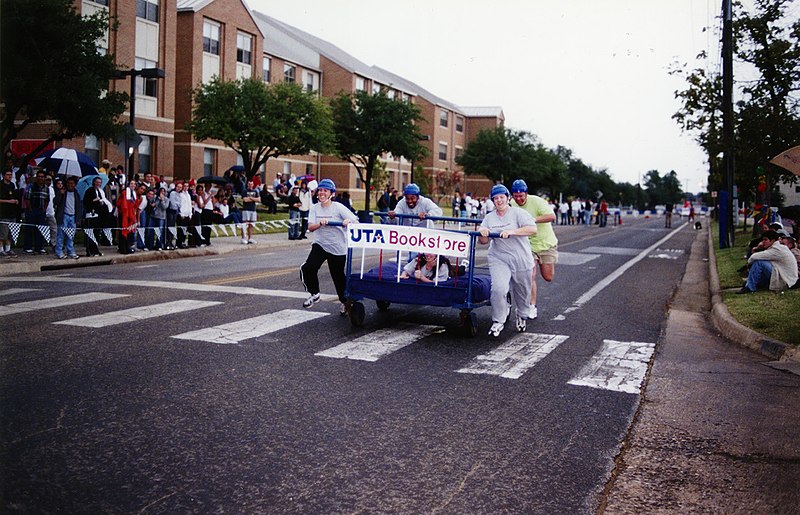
{"x": 330, "y": 51}
{"x": 196, "y": 5}
{"x": 483, "y": 112}
{"x": 285, "y": 46}
{"x": 419, "y": 90}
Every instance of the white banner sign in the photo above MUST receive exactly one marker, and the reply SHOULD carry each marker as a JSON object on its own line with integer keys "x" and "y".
{"x": 408, "y": 239}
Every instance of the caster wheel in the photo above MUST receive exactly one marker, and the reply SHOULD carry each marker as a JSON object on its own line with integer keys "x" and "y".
{"x": 357, "y": 314}
{"x": 383, "y": 305}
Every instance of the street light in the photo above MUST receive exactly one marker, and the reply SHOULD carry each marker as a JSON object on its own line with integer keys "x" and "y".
{"x": 131, "y": 136}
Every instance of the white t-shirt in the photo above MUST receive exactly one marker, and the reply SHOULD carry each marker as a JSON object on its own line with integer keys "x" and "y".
{"x": 515, "y": 251}
{"x": 332, "y": 239}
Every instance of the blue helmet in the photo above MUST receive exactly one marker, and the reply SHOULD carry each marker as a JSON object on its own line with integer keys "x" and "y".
{"x": 499, "y": 189}
{"x": 411, "y": 189}
{"x": 519, "y": 186}
{"x": 327, "y": 184}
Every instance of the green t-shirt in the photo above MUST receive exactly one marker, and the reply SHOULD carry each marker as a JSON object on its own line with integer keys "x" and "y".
{"x": 545, "y": 237}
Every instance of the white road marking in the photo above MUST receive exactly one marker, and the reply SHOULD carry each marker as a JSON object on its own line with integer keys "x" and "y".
{"x": 14, "y": 291}
{"x": 614, "y": 251}
{"x": 575, "y": 258}
{"x": 146, "y": 266}
{"x": 139, "y": 313}
{"x": 559, "y": 317}
{"x": 183, "y": 286}
{"x": 377, "y": 344}
{"x": 241, "y": 330}
{"x": 57, "y": 302}
{"x": 516, "y": 356}
{"x": 617, "y": 366}
{"x": 616, "y": 274}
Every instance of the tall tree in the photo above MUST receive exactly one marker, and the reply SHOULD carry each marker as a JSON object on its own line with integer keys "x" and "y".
{"x": 260, "y": 121}
{"x": 368, "y": 126}
{"x": 53, "y": 71}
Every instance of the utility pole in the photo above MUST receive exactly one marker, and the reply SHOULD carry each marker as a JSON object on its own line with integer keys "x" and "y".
{"x": 728, "y": 212}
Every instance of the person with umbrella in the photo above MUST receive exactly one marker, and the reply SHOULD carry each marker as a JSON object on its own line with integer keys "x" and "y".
{"x": 96, "y": 208}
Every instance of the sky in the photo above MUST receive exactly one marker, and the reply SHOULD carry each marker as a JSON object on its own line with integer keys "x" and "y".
{"x": 588, "y": 75}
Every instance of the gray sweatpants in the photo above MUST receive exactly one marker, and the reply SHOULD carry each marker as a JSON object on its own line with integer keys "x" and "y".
{"x": 518, "y": 281}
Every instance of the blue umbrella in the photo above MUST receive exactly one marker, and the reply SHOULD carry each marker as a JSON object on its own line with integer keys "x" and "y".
{"x": 236, "y": 168}
{"x": 84, "y": 183}
{"x": 66, "y": 162}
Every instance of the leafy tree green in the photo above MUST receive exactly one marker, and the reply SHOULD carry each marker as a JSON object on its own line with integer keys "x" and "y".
{"x": 369, "y": 126}
{"x": 51, "y": 70}
{"x": 260, "y": 121}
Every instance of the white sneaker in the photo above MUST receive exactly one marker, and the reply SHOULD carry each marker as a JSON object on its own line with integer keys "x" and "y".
{"x": 520, "y": 324}
{"x": 344, "y": 310}
{"x": 244, "y": 241}
{"x": 496, "y": 329}
{"x": 533, "y": 312}
{"x": 313, "y": 299}
{"x": 251, "y": 242}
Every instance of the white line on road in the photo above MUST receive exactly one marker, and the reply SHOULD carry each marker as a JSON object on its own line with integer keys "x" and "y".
{"x": 14, "y": 291}
{"x": 616, "y": 274}
{"x": 373, "y": 346}
{"x": 516, "y": 356}
{"x": 184, "y": 286}
{"x": 241, "y": 330}
{"x": 139, "y": 313}
{"x": 146, "y": 266}
{"x": 57, "y": 302}
{"x": 617, "y": 366}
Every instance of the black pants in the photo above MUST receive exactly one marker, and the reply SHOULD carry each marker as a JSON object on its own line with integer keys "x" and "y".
{"x": 95, "y": 224}
{"x": 183, "y": 232}
{"x": 310, "y": 270}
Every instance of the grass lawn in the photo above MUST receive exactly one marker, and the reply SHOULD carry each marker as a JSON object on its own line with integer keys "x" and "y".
{"x": 773, "y": 314}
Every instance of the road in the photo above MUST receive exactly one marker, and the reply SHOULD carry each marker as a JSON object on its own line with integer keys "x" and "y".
{"x": 201, "y": 385}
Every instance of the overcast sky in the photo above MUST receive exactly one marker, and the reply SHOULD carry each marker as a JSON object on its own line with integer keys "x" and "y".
{"x": 585, "y": 74}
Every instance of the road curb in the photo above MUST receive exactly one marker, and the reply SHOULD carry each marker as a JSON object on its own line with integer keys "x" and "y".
{"x": 731, "y": 329}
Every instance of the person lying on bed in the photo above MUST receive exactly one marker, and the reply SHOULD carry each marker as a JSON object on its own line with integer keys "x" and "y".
{"x": 424, "y": 268}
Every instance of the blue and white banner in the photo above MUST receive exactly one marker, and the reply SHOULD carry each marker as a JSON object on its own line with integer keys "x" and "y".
{"x": 408, "y": 239}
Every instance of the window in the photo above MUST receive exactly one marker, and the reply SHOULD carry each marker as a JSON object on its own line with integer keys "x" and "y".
{"x": 459, "y": 152}
{"x": 101, "y": 2}
{"x": 266, "y": 67}
{"x": 289, "y": 72}
{"x": 459, "y": 124}
{"x": 92, "y": 147}
{"x": 244, "y": 48}
{"x": 145, "y": 151}
{"x": 147, "y": 10}
{"x": 391, "y": 94}
{"x": 443, "y": 119}
{"x": 376, "y": 88}
{"x": 209, "y": 155}
{"x": 361, "y": 84}
{"x": 312, "y": 82}
{"x": 309, "y": 169}
{"x": 146, "y": 87}
{"x": 287, "y": 168}
{"x": 442, "y": 151}
{"x": 211, "y": 37}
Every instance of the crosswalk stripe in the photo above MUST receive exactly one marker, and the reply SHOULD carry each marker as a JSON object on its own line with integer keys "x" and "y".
{"x": 57, "y": 302}
{"x": 617, "y": 366}
{"x": 516, "y": 356}
{"x": 241, "y": 330}
{"x": 14, "y": 291}
{"x": 138, "y": 313}
{"x": 373, "y": 346}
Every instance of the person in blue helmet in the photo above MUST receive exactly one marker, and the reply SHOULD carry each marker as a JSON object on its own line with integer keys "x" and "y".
{"x": 413, "y": 203}
{"x": 330, "y": 244}
{"x": 510, "y": 259}
{"x": 544, "y": 243}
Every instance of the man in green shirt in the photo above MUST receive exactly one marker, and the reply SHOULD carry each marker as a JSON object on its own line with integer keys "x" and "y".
{"x": 544, "y": 243}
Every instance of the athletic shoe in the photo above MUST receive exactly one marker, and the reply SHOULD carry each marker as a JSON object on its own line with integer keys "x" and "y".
{"x": 313, "y": 299}
{"x": 3, "y": 254}
{"x": 744, "y": 290}
{"x": 496, "y": 329}
{"x": 520, "y": 324}
{"x": 244, "y": 241}
{"x": 28, "y": 251}
{"x": 43, "y": 251}
{"x": 11, "y": 253}
{"x": 74, "y": 256}
{"x": 62, "y": 256}
{"x": 251, "y": 242}
{"x": 344, "y": 310}
{"x": 533, "y": 313}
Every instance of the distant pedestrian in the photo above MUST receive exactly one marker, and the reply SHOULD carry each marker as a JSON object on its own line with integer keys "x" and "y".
{"x": 668, "y": 214}
{"x": 9, "y": 212}
{"x": 68, "y": 211}
{"x": 249, "y": 214}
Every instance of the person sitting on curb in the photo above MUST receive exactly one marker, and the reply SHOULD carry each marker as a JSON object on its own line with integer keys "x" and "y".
{"x": 772, "y": 266}
{"x": 788, "y": 240}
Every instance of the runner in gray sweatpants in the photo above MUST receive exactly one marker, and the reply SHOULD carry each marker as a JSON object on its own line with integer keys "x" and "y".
{"x": 510, "y": 259}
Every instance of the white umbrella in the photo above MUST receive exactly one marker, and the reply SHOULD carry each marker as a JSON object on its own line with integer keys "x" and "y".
{"x": 66, "y": 161}
{"x": 789, "y": 159}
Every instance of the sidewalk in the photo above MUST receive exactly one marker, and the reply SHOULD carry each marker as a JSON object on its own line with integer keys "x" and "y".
{"x": 27, "y": 263}
{"x": 716, "y": 430}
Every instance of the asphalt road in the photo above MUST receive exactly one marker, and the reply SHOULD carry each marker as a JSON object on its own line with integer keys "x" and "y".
{"x": 152, "y": 412}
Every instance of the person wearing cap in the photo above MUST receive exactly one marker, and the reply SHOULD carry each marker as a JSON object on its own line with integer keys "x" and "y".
{"x": 791, "y": 243}
{"x": 544, "y": 243}
{"x": 413, "y": 203}
{"x": 106, "y": 165}
{"x": 510, "y": 259}
{"x": 330, "y": 244}
{"x": 771, "y": 266}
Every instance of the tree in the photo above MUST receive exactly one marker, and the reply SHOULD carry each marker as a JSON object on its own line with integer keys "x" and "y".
{"x": 369, "y": 126}
{"x": 52, "y": 71}
{"x": 259, "y": 120}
